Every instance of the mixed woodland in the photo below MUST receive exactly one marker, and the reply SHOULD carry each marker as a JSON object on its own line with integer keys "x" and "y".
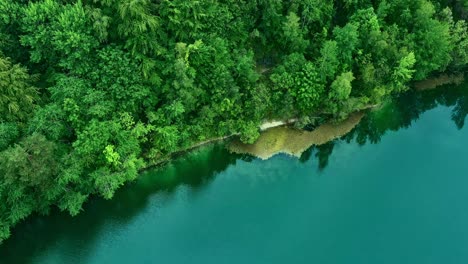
{"x": 92, "y": 91}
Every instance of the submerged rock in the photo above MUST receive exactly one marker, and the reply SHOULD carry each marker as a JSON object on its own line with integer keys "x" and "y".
{"x": 294, "y": 141}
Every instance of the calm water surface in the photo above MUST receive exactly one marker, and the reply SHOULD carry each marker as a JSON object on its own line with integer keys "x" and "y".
{"x": 395, "y": 190}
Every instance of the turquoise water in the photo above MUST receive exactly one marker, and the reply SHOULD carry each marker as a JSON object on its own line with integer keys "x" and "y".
{"x": 395, "y": 190}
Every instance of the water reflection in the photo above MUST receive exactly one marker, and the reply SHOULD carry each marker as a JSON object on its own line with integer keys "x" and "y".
{"x": 398, "y": 113}
{"x": 39, "y": 233}
{"x": 321, "y": 153}
{"x": 404, "y": 109}
{"x": 460, "y": 111}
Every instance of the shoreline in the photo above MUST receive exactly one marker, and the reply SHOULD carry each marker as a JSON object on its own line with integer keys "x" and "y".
{"x": 428, "y": 84}
{"x": 264, "y": 127}
{"x": 437, "y": 81}
{"x": 293, "y": 141}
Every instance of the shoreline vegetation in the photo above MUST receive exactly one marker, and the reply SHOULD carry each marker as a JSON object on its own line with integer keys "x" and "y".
{"x": 278, "y": 137}
{"x": 293, "y": 141}
{"x": 104, "y": 89}
{"x": 321, "y": 135}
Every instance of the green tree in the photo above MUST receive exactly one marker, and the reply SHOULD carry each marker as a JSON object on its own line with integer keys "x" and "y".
{"x": 347, "y": 40}
{"x": 138, "y": 24}
{"x": 249, "y": 132}
{"x": 109, "y": 153}
{"x": 10, "y": 14}
{"x": 308, "y": 90}
{"x": 28, "y": 173}
{"x": 17, "y": 94}
{"x": 421, "y": 31}
{"x": 60, "y": 35}
{"x": 293, "y": 35}
{"x": 340, "y": 90}
{"x": 123, "y": 82}
{"x": 403, "y": 72}
{"x": 328, "y": 61}
{"x": 460, "y": 43}
{"x": 9, "y": 132}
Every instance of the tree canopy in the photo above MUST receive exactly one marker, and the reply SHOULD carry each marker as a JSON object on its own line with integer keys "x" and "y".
{"x": 93, "y": 91}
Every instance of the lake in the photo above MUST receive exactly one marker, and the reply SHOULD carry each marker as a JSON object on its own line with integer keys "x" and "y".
{"x": 394, "y": 190}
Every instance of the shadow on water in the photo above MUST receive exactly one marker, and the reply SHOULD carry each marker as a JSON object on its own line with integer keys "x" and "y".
{"x": 405, "y": 109}
{"x": 398, "y": 113}
{"x": 35, "y": 236}
{"x": 196, "y": 169}
{"x": 321, "y": 153}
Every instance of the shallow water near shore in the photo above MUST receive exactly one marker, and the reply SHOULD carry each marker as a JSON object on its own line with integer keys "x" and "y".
{"x": 393, "y": 190}
{"x": 293, "y": 141}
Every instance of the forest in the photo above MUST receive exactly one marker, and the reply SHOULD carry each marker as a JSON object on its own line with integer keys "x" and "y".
{"x": 91, "y": 92}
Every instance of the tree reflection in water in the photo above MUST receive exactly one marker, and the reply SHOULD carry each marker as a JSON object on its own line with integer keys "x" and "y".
{"x": 397, "y": 113}
{"x": 198, "y": 168}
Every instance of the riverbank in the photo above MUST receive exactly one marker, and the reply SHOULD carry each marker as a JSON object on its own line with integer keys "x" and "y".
{"x": 295, "y": 141}
{"x": 264, "y": 127}
{"x": 438, "y": 81}
{"x": 344, "y": 192}
{"x": 276, "y": 138}
{"x": 278, "y": 128}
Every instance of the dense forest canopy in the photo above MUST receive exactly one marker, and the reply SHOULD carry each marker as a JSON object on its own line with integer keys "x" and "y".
{"x": 92, "y": 91}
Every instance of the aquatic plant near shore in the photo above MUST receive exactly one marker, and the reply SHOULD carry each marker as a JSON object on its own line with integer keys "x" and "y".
{"x": 295, "y": 141}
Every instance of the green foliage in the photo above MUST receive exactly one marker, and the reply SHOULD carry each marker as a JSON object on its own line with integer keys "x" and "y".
{"x": 347, "y": 40}
{"x": 308, "y": 89}
{"x": 137, "y": 24}
{"x": 249, "y": 132}
{"x": 10, "y": 13}
{"x": 118, "y": 76}
{"x": 460, "y": 44}
{"x": 72, "y": 202}
{"x": 340, "y": 89}
{"x": 28, "y": 178}
{"x": 317, "y": 14}
{"x": 50, "y": 121}
{"x": 17, "y": 95}
{"x": 166, "y": 139}
{"x": 293, "y": 39}
{"x": 404, "y": 71}
{"x": 121, "y": 83}
{"x": 429, "y": 37}
{"x": 8, "y": 134}
{"x": 328, "y": 62}
{"x": 109, "y": 151}
{"x": 60, "y": 35}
